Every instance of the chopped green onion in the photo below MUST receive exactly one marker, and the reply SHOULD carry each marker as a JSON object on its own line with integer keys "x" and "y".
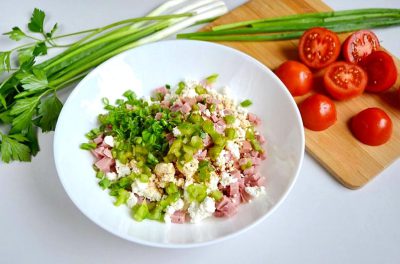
{"x": 140, "y": 211}
{"x": 200, "y": 89}
{"x": 246, "y": 103}
{"x": 217, "y": 195}
{"x": 230, "y": 133}
{"x": 229, "y": 119}
{"x": 197, "y": 192}
{"x": 105, "y": 183}
{"x": 172, "y": 188}
{"x": 88, "y": 146}
{"x": 100, "y": 175}
{"x": 122, "y": 197}
{"x": 181, "y": 86}
{"x": 211, "y": 79}
{"x": 144, "y": 178}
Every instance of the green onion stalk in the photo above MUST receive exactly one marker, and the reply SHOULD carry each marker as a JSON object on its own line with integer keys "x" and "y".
{"x": 28, "y": 93}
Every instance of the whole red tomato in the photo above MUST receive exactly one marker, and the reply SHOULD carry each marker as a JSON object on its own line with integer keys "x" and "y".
{"x": 318, "y": 112}
{"x": 296, "y": 76}
{"x": 372, "y": 126}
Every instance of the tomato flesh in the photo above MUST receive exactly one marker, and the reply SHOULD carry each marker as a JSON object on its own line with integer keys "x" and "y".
{"x": 381, "y": 70}
{"x": 296, "y": 76}
{"x": 318, "y": 112}
{"x": 359, "y": 45}
{"x": 372, "y": 126}
{"x": 319, "y": 47}
{"x": 344, "y": 80}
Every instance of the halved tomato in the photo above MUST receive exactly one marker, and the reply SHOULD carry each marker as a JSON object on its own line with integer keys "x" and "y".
{"x": 345, "y": 80}
{"x": 381, "y": 70}
{"x": 319, "y": 47}
{"x": 359, "y": 45}
{"x": 296, "y": 76}
{"x": 318, "y": 112}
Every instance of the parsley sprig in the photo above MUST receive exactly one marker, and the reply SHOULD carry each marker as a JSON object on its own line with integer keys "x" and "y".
{"x": 28, "y": 94}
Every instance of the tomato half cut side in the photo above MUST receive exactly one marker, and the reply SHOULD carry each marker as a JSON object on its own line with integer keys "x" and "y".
{"x": 319, "y": 47}
{"x": 381, "y": 70}
{"x": 344, "y": 80}
{"x": 372, "y": 126}
{"x": 318, "y": 112}
{"x": 359, "y": 45}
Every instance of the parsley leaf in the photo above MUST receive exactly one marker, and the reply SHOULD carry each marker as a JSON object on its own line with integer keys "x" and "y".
{"x": 15, "y": 34}
{"x": 23, "y": 110}
{"x": 36, "y": 80}
{"x": 53, "y": 30}
{"x": 49, "y": 109}
{"x": 25, "y": 54}
{"x": 37, "y": 20}
{"x": 5, "y": 64}
{"x": 12, "y": 148}
{"x": 33, "y": 142}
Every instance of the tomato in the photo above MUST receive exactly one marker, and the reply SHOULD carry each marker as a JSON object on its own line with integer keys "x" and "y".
{"x": 319, "y": 47}
{"x": 318, "y": 112}
{"x": 372, "y": 126}
{"x": 344, "y": 80}
{"x": 381, "y": 70}
{"x": 359, "y": 45}
{"x": 296, "y": 76}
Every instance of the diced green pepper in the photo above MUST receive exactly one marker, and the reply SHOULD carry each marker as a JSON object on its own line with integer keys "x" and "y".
{"x": 246, "y": 103}
{"x": 105, "y": 183}
{"x": 229, "y": 119}
{"x": 197, "y": 192}
{"x": 122, "y": 197}
{"x": 214, "y": 152}
{"x": 217, "y": 195}
{"x": 181, "y": 86}
{"x": 200, "y": 89}
{"x": 230, "y": 133}
{"x": 88, "y": 146}
{"x": 212, "y": 78}
{"x": 140, "y": 211}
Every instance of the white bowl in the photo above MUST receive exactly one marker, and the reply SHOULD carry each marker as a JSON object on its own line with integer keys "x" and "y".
{"x": 144, "y": 68}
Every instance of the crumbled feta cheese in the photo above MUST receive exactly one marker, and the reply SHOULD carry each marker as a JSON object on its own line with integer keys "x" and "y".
{"x": 176, "y": 132}
{"x": 122, "y": 169}
{"x": 147, "y": 190}
{"x": 190, "y": 168}
{"x": 109, "y": 140}
{"x": 234, "y": 149}
{"x": 227, "y": 179}
{"x": 213, "y": 183}
{"x": 134, "y": 167}
{"x": 200, "y": 211}
{"x": 221, "y": 159}
{"x": 225, "y": 91}
{"x": 241, "y": 133}
{"x": 165, "y": 172}
{"x": 242, "y": 111}
{"x": 255, "y": 191}
{"x": 111, "y": 176}
{"x": 132, "y": 200}
{"x": 180, "y": 182}
{"x": 207, "y": 113}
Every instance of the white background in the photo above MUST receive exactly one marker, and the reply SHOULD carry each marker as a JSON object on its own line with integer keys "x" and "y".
{"x": 320, "y": 222}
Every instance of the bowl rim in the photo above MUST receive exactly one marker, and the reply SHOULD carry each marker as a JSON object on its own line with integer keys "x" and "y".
{"x": 195, "y": 244}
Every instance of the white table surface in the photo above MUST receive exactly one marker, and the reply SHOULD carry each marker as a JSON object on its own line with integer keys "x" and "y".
{"x": 320, "y": 222}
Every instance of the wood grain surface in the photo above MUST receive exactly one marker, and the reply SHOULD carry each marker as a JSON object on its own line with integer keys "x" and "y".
{"x": 352, "y": 163}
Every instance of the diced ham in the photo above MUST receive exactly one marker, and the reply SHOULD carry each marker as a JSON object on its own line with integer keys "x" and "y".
{"x": 260, "y": 138}
{"x": 165, "y": 104}
{"x": 220, "y": 126}
{"x": 185, "y": 108}
{"x": 104, "y": 164}
{"x": 233, "y": 189}
{"x": 255, "y": 161}
{"x": 252, "y": 180}
{"x": 228, "y": 111}
{"x": 263, "y": 156}
{"x": 176, "y": 106}
{"x": 99, "y": 151}
{"x": 199, "y": 98}
{"x": 249, "y": 171}
{"x": 98, "y": 139}
{"x": 246, "y": 147}
{"x": 236, "y": 199}
{"x": 202, "y": 107}
{"x": 225, "y": 207}
{"x": 214, "y": 118}
{"x": 162, "y": 90}
{"x": 254, "y": 153}
{"x": 158, "y": 116}
{"x": 107, "y": 153}
{"x": 96, "y": 154}
{"x": 201, "y": 155}
{"x": 243, "y": 161}
{"x": 207, "y": 140}
{"x": 244, "y": 196}
{"x": 178, "y": 217}
{"x": 191, "y": 101}
{"x": 254, "y": 119}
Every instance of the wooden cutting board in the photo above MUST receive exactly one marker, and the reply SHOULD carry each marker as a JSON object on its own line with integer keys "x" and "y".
{"x": 352, "y": 163}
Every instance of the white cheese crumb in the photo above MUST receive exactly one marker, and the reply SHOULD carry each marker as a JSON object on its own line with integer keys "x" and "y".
{"x": 170, "y": 210}
{"x": 221, "y": 159}
{"x": 132, "y": 200}
{"x": 255, "y": 191}
{"x": 190, "y": 168}
{"x": 207, "y": 113}
{"x": 213, "y": 183}
{"x": 176, "y": 132}
{"x": 166, "y": 173}
{"x": 201, "y": 211}
{"x": 234, "y": 149}
{"x": 147, "y": 190}
{"x": 122, "y": 169}
{"x": 227, "y": 179}
{"x": 111, "y": 176}
{"x": 109, "y": 140}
